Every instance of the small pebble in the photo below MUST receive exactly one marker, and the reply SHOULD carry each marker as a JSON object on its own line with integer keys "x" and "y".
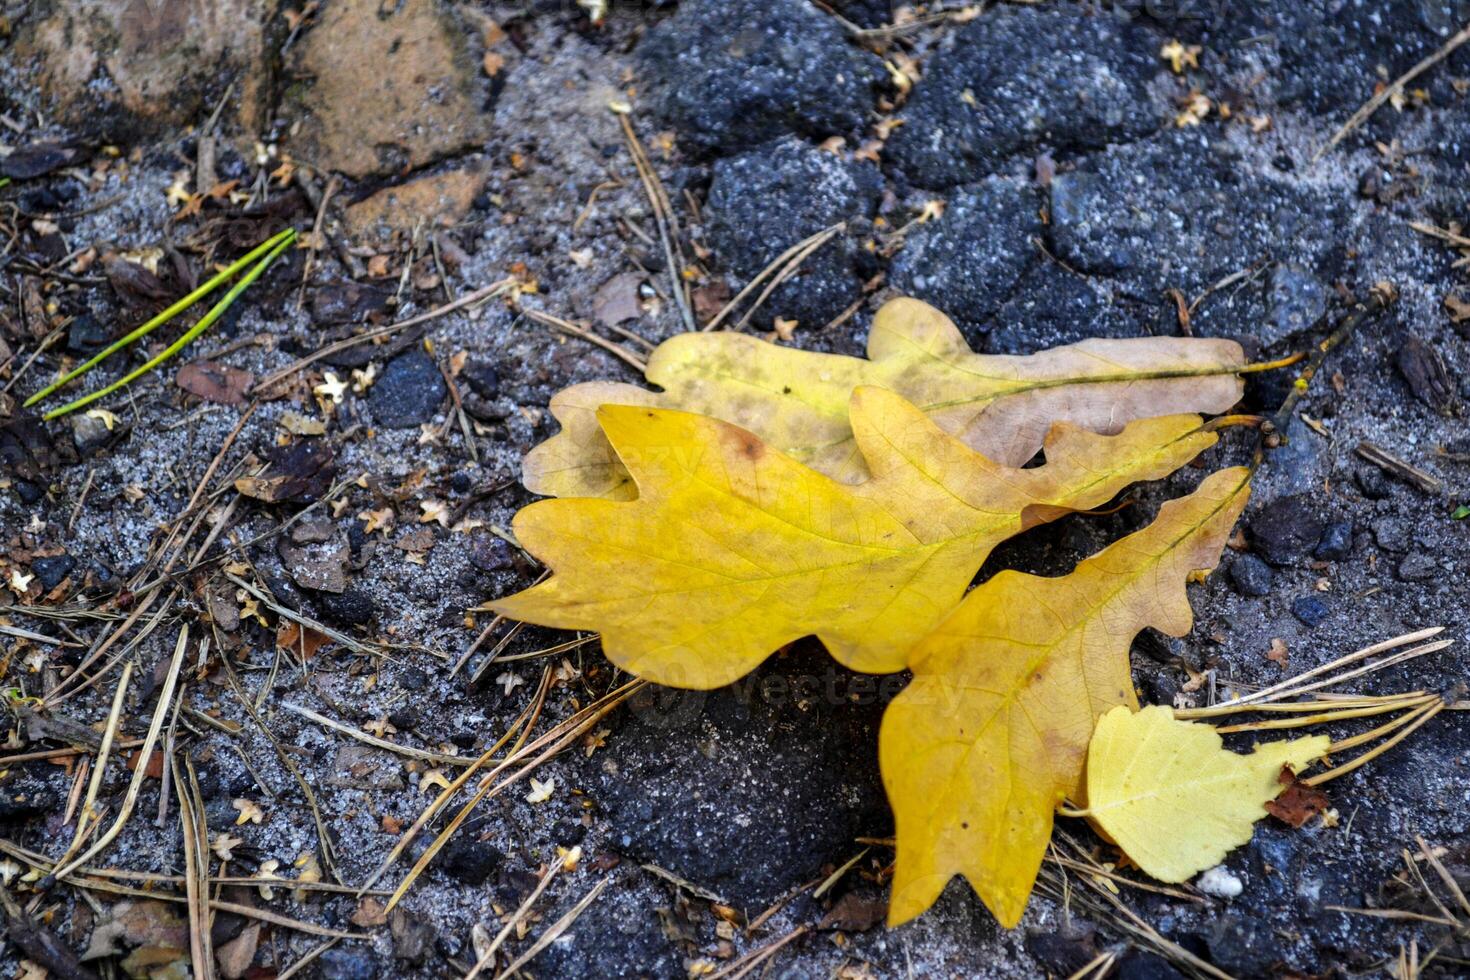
{"x": 1310, "y": 610}
{"x": 1251, "y": 576}
{"x": 52, "y": 571}
{"x": 1336, "y": 542}
{"x": 1418, "y": 567}
{"x": 1219, "y": 882}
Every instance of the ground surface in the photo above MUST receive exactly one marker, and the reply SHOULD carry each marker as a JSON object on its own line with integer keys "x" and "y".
{"x": 1083, "y": 178}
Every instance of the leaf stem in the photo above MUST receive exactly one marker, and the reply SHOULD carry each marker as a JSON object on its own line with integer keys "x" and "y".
{"x": 168, "y": 314}
{"x": 1281, "y": 362}
{"x": 282, "y": 242}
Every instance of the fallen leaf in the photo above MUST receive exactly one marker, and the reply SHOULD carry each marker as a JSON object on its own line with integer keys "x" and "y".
{"x": 104, "y": 416}
{"x": 796, "y": 401}
{"x": 1151, "y": 781}
{"x": 370, "y": 912}
{"x": 854, "y": 913}
{"x": 332, "y": 388}
{"x": 732, "y": 549}
{"x": 302, "y": 425}
{"x": 267, "y": 872}
{"x": 433, "y": 779}
{"x": 19, "y": 581}
{"x": 992, "y": 732}
{"x": 138, "y": 923}
{"x": 1278, "y": 653}
{"x": 618, "y": 300}
{"x": 224, "y": 846}
{"x": 434, "y": 511}
{"x": 375, "y": 520}
{"x": 249, "y": 812}
{"x": 1180, "y": 56}
{"x": 1298, "y": 802}
{"x": 215, "y": 382}
{"x": 154, "y": 768}
{"x": 540, "y": 792}
{"x": 236, "y": 955}
{"x": 303, "y": 642}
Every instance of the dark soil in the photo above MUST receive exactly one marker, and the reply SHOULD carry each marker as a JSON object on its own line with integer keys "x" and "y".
{"x": 460, "y": 144}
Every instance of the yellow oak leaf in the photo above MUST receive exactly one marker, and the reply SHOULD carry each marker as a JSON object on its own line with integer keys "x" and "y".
{"x": 733, "y": 549}
{"x": 992, "y": 732}
{"x": 1172, "y": 797}
{"x": 796, "y": 400}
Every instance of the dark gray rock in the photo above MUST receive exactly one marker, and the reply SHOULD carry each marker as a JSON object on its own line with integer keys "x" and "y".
{"x": 1310, "y": 610}
{"x": 1372, "y": 482}
{"x": 1296, "y": 300}
{"x": 1392, "y": 534}
{"x": 997, "y": 91}
{"x": 1251, "y": 576}
{"x": 1241, "y": 947}
{"x": 728, "y": 74}
{"x": 89, "y": 433}
{"x": 28, "y": 492}
{"x": 749, "y": 789}
{"x": 1139, "y": 965}
{"x": 482, "y": 378}
{"x": 1336, "y": 542}
{"x": 86, "y": 335}
{"x": 765, "y": 201}
{"x": 491, "y": 553}
{"x": 348, "y": 963}
{"x": 409, "y": 391}
{"x": 413, "y": 938}
{"x": 1297, "y": 465}
{"x": 1285, "y": 531}
{"x": 51, "y": 572}
{"x": 351, "y": 607}
{"x": 970, "y": 261}
{"x": 1179, "y": 211}
{"x": 865, "y": 13}
{"x": 1418, "y": 567}
{"x": 25, "y": 795}
{"x": 468, "y": 859}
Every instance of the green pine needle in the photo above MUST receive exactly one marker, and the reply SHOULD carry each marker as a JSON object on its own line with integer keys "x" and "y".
{"x": 271, "y": 248}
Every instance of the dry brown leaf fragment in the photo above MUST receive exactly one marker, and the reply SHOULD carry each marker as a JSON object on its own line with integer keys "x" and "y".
{"x": 1298, "y": 802}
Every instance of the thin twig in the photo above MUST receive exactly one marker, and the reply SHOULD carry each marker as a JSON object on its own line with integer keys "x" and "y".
{"x": 1393, "y": 89}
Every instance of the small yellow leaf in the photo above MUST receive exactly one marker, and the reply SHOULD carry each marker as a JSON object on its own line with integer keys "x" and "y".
{"x": 332, "y": 387}
{"x": 540, "y": 792}
{"x": 733, "y": 550}
{"x": 19, "y": 581}
{"x": 796, "y": 401}
{"x": 249, "y": 812}
{"x": 224, "y": 846}
{"x": 374, "y": 520}
{"x": 1172, "y": 797}
{"x": 107, "y": 418}
{"x": 433, "y": 778}
{"x": 992, "y": 732}
{"x": 434, "y": 511}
